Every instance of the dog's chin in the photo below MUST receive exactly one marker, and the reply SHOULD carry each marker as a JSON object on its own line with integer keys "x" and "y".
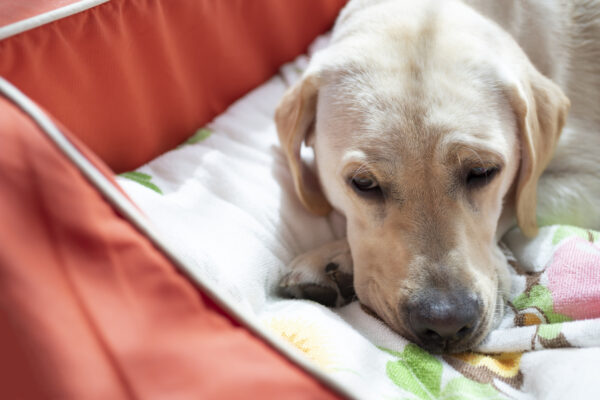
{"x": 492, "y": 321}
{"x": 464, "y": 345}
{"x": 436, "y": 349}
{"x": 459, "y": 347}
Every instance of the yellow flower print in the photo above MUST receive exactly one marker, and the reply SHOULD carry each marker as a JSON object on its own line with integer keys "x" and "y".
{"x": 485, "y": 368}
{"x": 305, "y": 337}
{"x": 505, "y": 365}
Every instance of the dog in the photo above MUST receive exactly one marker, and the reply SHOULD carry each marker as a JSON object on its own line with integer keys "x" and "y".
{"x": 437, "y": 126}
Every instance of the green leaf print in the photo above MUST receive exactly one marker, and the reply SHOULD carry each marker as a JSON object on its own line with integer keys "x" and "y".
{"x": 465, "y": 389}
{"x": 200, "y": 135}
{"x": 404, "y": 377}
{"x": 540, "y": 297}
{"x": 420, "y": 373}
{"x": 549, "y": 331}
{"x": 565, "y": 231}
{"x": 426, "y": 367}
{"x": 142, "y": 179}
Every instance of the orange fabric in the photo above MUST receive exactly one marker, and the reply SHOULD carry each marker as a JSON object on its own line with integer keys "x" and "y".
{"x": 133, "y": 79}
{"x": 89, "y": 309}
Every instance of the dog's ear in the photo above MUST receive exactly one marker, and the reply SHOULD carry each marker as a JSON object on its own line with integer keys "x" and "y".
{"x": 295, "y": 120}
{"x": 541, "y": 109}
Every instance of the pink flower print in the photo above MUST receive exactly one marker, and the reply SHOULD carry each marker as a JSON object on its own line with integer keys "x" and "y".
{"x": 574, "y": 279}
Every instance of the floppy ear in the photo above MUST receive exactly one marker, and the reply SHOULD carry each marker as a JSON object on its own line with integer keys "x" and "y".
{"x": 541, "y": 109}
{"x": 295, "y": 117}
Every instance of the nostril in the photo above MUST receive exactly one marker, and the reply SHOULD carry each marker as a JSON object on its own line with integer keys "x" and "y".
{"x": 432, "y": 335}
{"x": 464, "y": 331}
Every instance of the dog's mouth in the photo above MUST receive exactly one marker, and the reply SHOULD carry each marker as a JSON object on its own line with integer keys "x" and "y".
{"x": 491, "y": 318}
{"x": 450, "y": 346}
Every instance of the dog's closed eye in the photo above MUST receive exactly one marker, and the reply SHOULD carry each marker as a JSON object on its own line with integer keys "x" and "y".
{"x": 480, "y": 176}
{"x": 365, "y": 185}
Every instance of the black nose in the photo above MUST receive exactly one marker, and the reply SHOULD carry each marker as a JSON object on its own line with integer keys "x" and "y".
{"x": 440, "y": 318}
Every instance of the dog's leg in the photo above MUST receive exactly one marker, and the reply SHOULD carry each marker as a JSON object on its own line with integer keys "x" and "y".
{"x": 323, "y": 275}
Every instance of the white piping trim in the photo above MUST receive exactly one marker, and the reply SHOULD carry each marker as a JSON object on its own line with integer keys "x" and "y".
{"x": 139, "y": 221}
{"x": 47, "y": 17}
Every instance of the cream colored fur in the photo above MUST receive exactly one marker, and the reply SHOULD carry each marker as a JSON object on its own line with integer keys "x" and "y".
{"x": 413, "y": 93}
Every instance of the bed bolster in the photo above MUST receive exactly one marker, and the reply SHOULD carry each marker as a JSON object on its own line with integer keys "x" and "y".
{"x": 89, "y": 308}
{"x": 133, "y": 79}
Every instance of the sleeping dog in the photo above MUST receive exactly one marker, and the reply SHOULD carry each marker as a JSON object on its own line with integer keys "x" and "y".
{"x": 438, "y": 125}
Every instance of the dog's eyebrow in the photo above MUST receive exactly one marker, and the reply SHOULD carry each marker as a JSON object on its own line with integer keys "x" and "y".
{"x": 477, "y": 151}
{"x": 366, "y": 157}
{"x": 374, "y": 163}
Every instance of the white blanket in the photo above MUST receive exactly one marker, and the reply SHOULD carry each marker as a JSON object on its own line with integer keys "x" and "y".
{"x": 225, "y": 200}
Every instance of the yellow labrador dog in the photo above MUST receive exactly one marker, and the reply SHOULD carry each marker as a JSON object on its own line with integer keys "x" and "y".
{"x": 436, "y": 127}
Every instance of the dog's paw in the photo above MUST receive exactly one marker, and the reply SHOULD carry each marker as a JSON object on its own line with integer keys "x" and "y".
{"x": 323, "y": 275}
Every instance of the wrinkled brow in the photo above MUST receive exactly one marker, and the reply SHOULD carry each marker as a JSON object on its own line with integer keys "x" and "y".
{"x": 475, "y": 152}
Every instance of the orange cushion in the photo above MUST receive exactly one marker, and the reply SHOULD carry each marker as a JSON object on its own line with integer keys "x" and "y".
{"x": 90, "y": 309}
{"x": 133, "y": 79}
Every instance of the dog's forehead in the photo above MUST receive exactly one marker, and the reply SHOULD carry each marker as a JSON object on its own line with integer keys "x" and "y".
{"x": 401, "y": 63}
{"x": 413, "y": 89}
{"x": 382, "y": 112}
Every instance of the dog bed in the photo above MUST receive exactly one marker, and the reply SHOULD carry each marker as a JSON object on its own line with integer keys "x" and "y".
{"x": 225, "y": 200}
{"x": 220, "y": 208}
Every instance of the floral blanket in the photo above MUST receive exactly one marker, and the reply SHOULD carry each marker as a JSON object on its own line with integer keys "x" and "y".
{"x": 226, "y": 203}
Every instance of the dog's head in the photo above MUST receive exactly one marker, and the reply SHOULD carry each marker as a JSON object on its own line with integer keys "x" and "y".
{"x": 428, "y": 126}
